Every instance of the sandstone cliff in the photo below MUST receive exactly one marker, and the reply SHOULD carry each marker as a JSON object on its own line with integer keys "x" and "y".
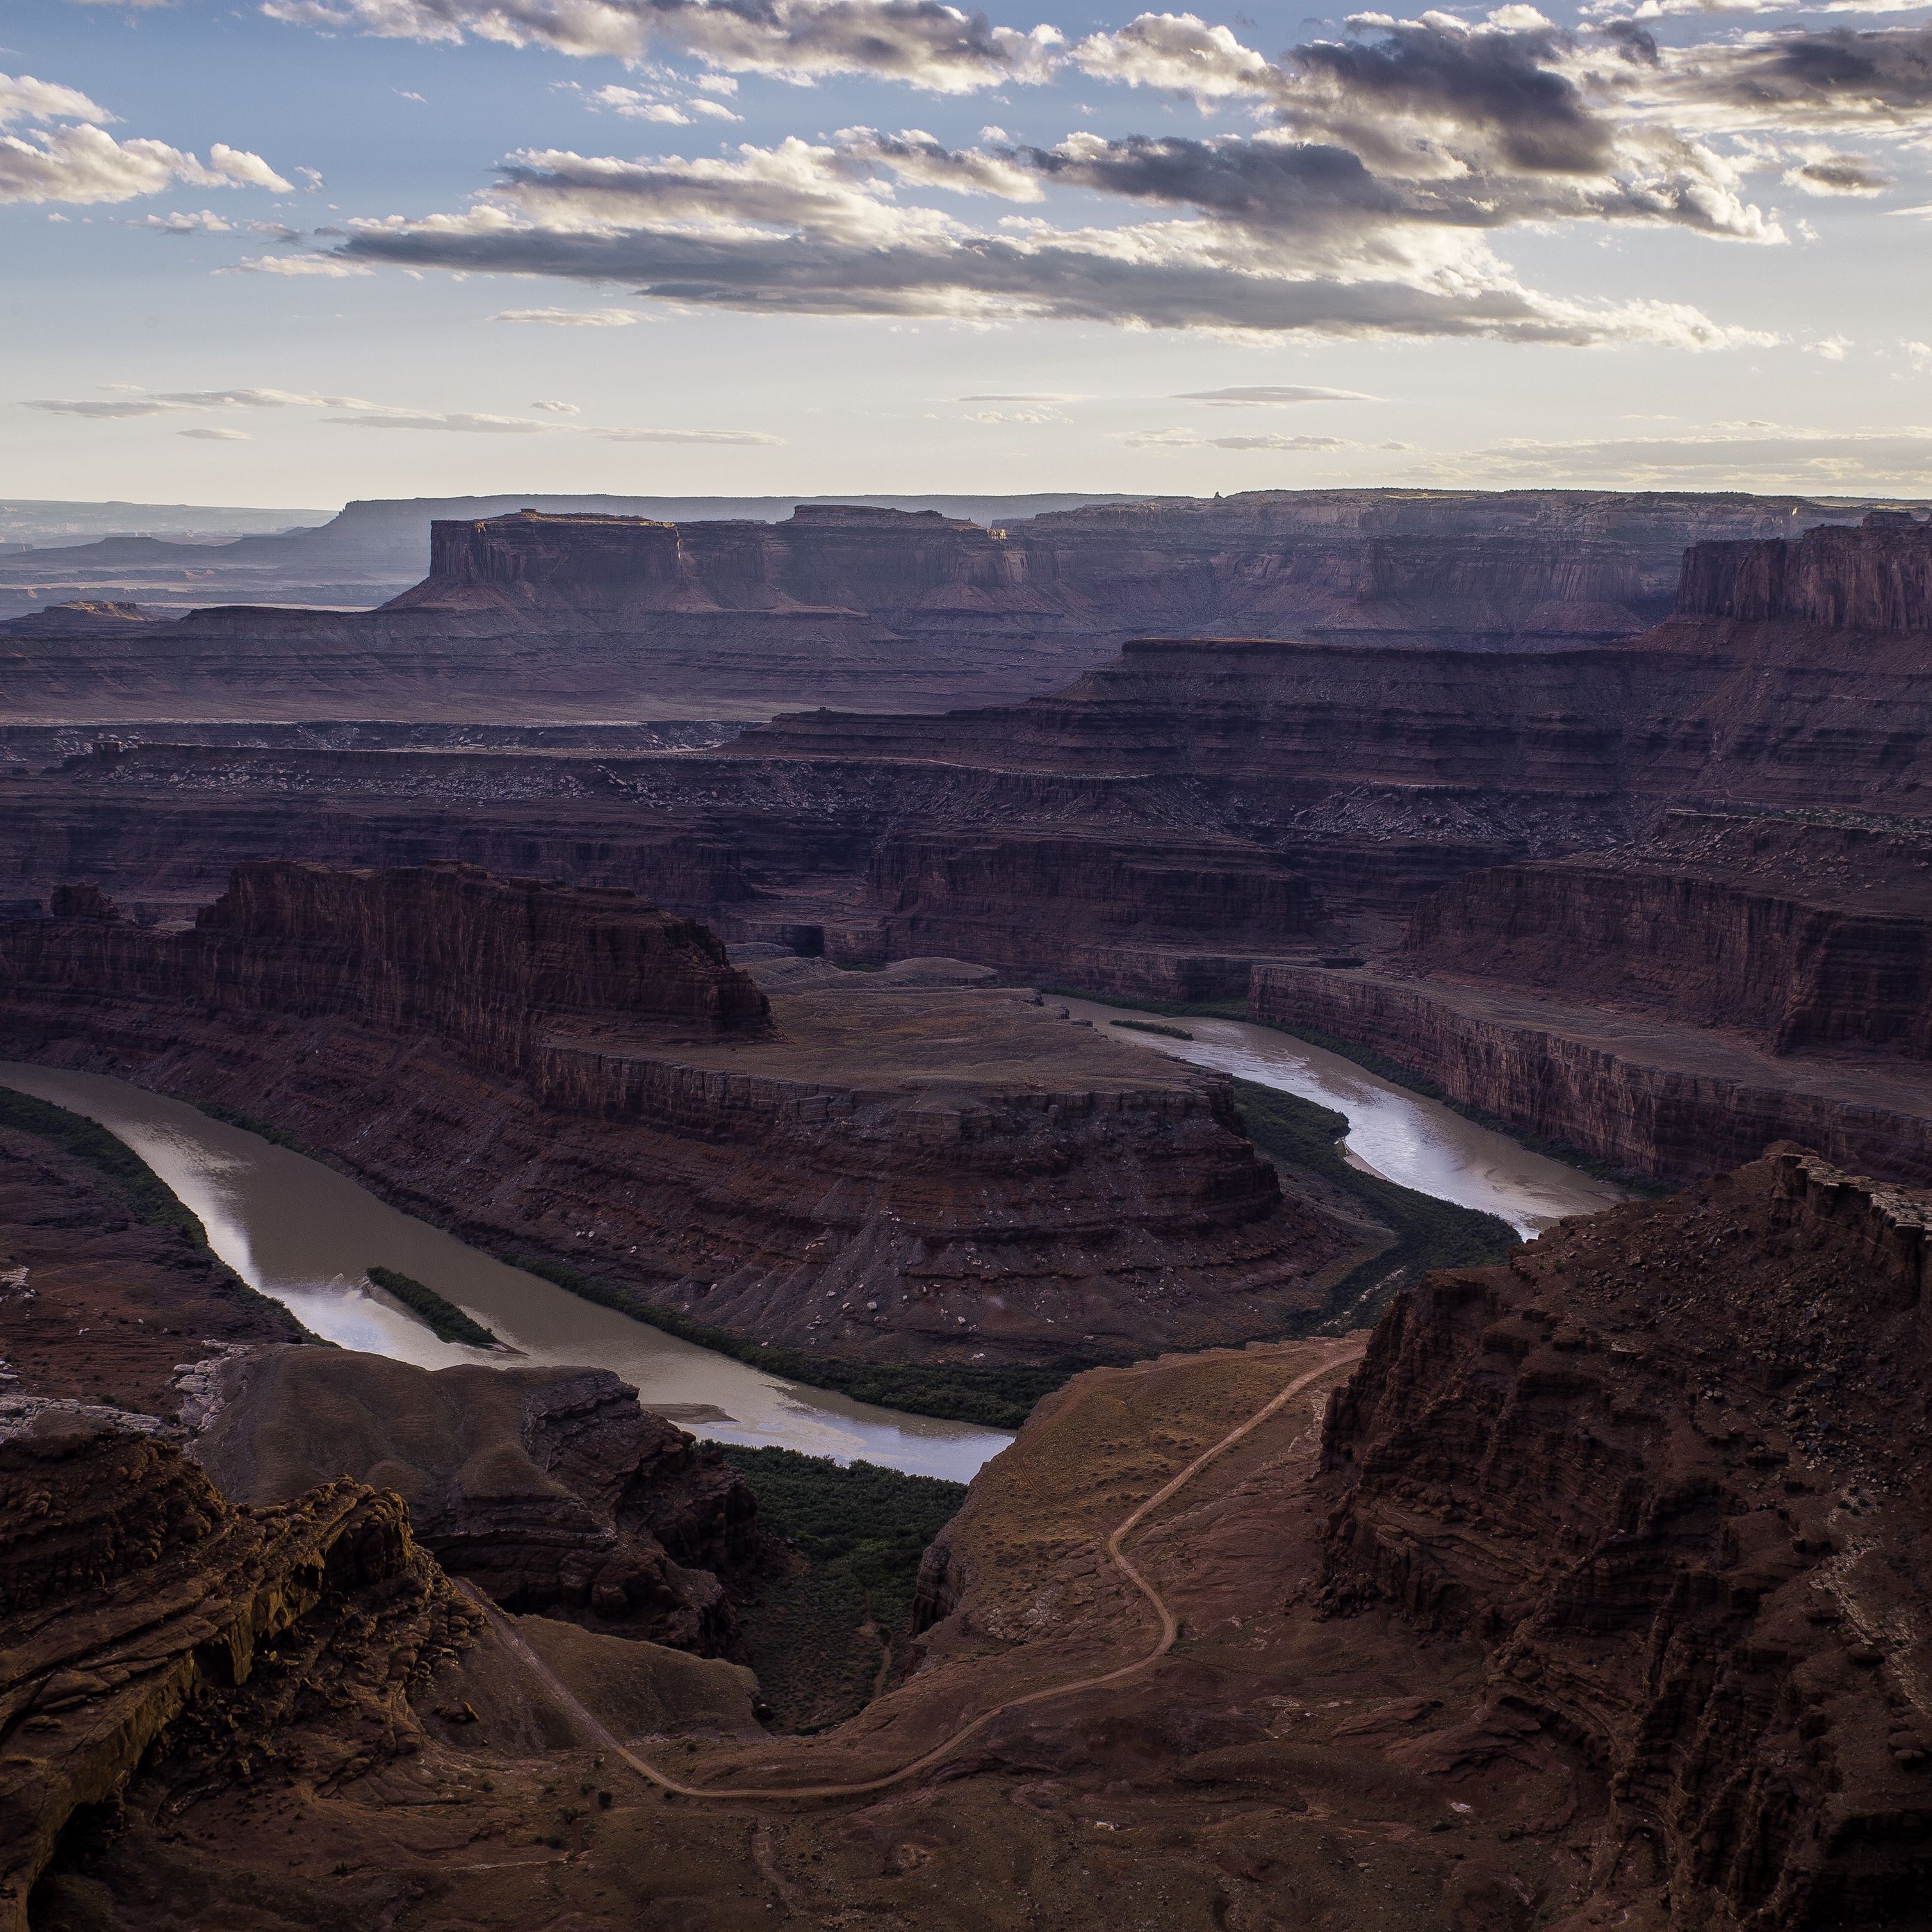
{"x": 958, "y": 1174}
{"x": 1667, "y": 1468}
{"x": 130, "y": 1591}
{"x": 1797, "y": 933}
{"x": 1877, "y": 578}
{"x": 1646, "y": 1096}
{"x": 550, "y": 1488}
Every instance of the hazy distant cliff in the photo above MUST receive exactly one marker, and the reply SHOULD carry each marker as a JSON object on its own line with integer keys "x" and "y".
{"x": 1877, "y": 578}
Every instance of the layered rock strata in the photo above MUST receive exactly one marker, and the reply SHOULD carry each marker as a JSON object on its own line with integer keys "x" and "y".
{"x": 874, "y": 607}
{"x": 129, "y": 1593}
{"x": 549, "y": 1488}
{"x": 1667, "y": 1467}
{"x": 956, "y": 1174}
{"x": 1797, "y": 934}
{"x": 1645, "y": 1096}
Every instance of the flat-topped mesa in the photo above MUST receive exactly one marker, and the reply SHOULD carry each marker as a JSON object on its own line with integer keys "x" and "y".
{"x": 1876, "y": 577}
{"x": 531, "y": 550}
{"x": 493, "y": 967}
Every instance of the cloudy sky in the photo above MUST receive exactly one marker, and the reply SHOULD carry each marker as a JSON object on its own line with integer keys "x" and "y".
{"x": 291, "y": 251}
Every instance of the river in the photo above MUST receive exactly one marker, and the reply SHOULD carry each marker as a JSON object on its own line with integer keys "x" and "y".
{"x": 304, "y": 1233}
{"x": 1392, "y": 1131}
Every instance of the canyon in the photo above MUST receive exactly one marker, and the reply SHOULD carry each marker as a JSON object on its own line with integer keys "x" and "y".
{"x": 876, "y": 1172}
{"x": 1583, "y": 1591}
{"x": 578, "y": 615}
{"x": 1213, "y": 819}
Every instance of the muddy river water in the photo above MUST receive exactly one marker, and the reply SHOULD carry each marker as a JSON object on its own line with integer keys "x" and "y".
{"x": 304, "y": 1233}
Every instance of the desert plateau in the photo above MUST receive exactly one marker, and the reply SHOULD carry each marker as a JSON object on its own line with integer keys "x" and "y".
{"x": 1022, "y": 1024}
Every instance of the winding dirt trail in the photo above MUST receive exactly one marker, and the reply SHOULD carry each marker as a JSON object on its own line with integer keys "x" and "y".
{"x": 1170, "y": 1628}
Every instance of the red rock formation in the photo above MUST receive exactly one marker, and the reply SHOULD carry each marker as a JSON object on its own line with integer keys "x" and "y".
{"x": 1647, "y": 1095}
{"x": 1797, "y": 933}
{"x": 958, "y": 1174}
{"x": 130, "y": 1591}
{"x": 550, "y": 1487}
{"x": 1668, "y": 1467}
{"x": 1878, "y": 577}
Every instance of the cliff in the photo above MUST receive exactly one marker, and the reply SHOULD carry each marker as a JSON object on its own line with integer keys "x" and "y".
{"x": 599, "y": 616}
{"x": 550, "y": 1488}
{"x": 488, "y": 965}
{"x": 876, "y": 1172}
{"x": 1646, "y": 1096}
{"x": 131, "y": 1594}
{"x": 1797, "y": 933}
{"x": 1666, "y": 1469}
{"x": 1876, "y": 577}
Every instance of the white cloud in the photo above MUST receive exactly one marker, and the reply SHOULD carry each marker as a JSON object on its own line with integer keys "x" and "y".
{"x": 85, "y": 164}
{"x": 1190, "y": 439}
{"x": 24, "y": 98}
{"x": 216, "y": 435}
{"x": 296, "y": 264}
{"x": 923, "y": 42}
{"x": 571, "y": 318}
{"x": 558, "y": 409}
{"x": 1830, "y": 348}
{"x": 1268, "y": 395}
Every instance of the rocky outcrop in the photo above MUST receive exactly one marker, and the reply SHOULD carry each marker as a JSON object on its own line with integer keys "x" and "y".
{"x": 610, "y": 616}
{"x": 489, "y": 965}
{"x": 957, "y": 1175}
{"x": 1796, "y": 933}
{"x": 550, "y": 1488}
{"x": 1644, "y": 1095}
{"x": 1876, "y": 577}
{"x": 129, "y": 1593}
{"x": 1667, "y": 1468}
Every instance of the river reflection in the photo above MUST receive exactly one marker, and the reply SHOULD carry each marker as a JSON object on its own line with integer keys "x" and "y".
{"x": 1393, "y": 1133}
{"x": 304, "y": 1233}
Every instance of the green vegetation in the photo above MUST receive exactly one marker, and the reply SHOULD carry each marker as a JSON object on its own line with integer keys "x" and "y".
{"x": 150, "y": 1197}
{"x": 826, "y": 1636}
{"x": 447, "y": 1322}
{"x": 1153, "y": 1026}
{"x": 233, "y": 1117}
{"x": 991, "y": 1398}
{"x": 1429, "y": 1233}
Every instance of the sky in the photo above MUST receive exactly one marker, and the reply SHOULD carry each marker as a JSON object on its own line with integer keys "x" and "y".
{"x": 290, "y": 252}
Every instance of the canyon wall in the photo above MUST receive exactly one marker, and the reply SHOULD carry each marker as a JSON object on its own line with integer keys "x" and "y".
{"x": 1795, "y": 933}
{"x": 1877, "y": 578}
{"x": 867, "y": 1170}
{"x": 562, "y": 616}
{"x": 1643, "y": 1096}
{"x": 1666, "y": 1468}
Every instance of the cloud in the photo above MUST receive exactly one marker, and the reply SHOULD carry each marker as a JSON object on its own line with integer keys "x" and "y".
{"x": 1265, "y": 395}
{"x": 717, "y": 435}
{"x": 1801, "y": 81}
{"x": 921, "y": 42}
{"x": 558, "y": 409}
{"x": 128, "y": 400}
{"x": 85, "y": 164}
{"x": 24, "y": 98}
{"x": 1253, "y": 236}
{"x": 1018, "y": 399}
{"x": 216, "y": 435}
{"x": 1828, "y": 174}
{"x": 205, "y": 221}
{"x": 1829, "y": 348}
{"x": 295, "y": 265}
{"x": 571, "y": 318}
{"x": 1756, "y": 456}
{"x": 1189, "y": 439}
{"x": 375, "y": 415}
